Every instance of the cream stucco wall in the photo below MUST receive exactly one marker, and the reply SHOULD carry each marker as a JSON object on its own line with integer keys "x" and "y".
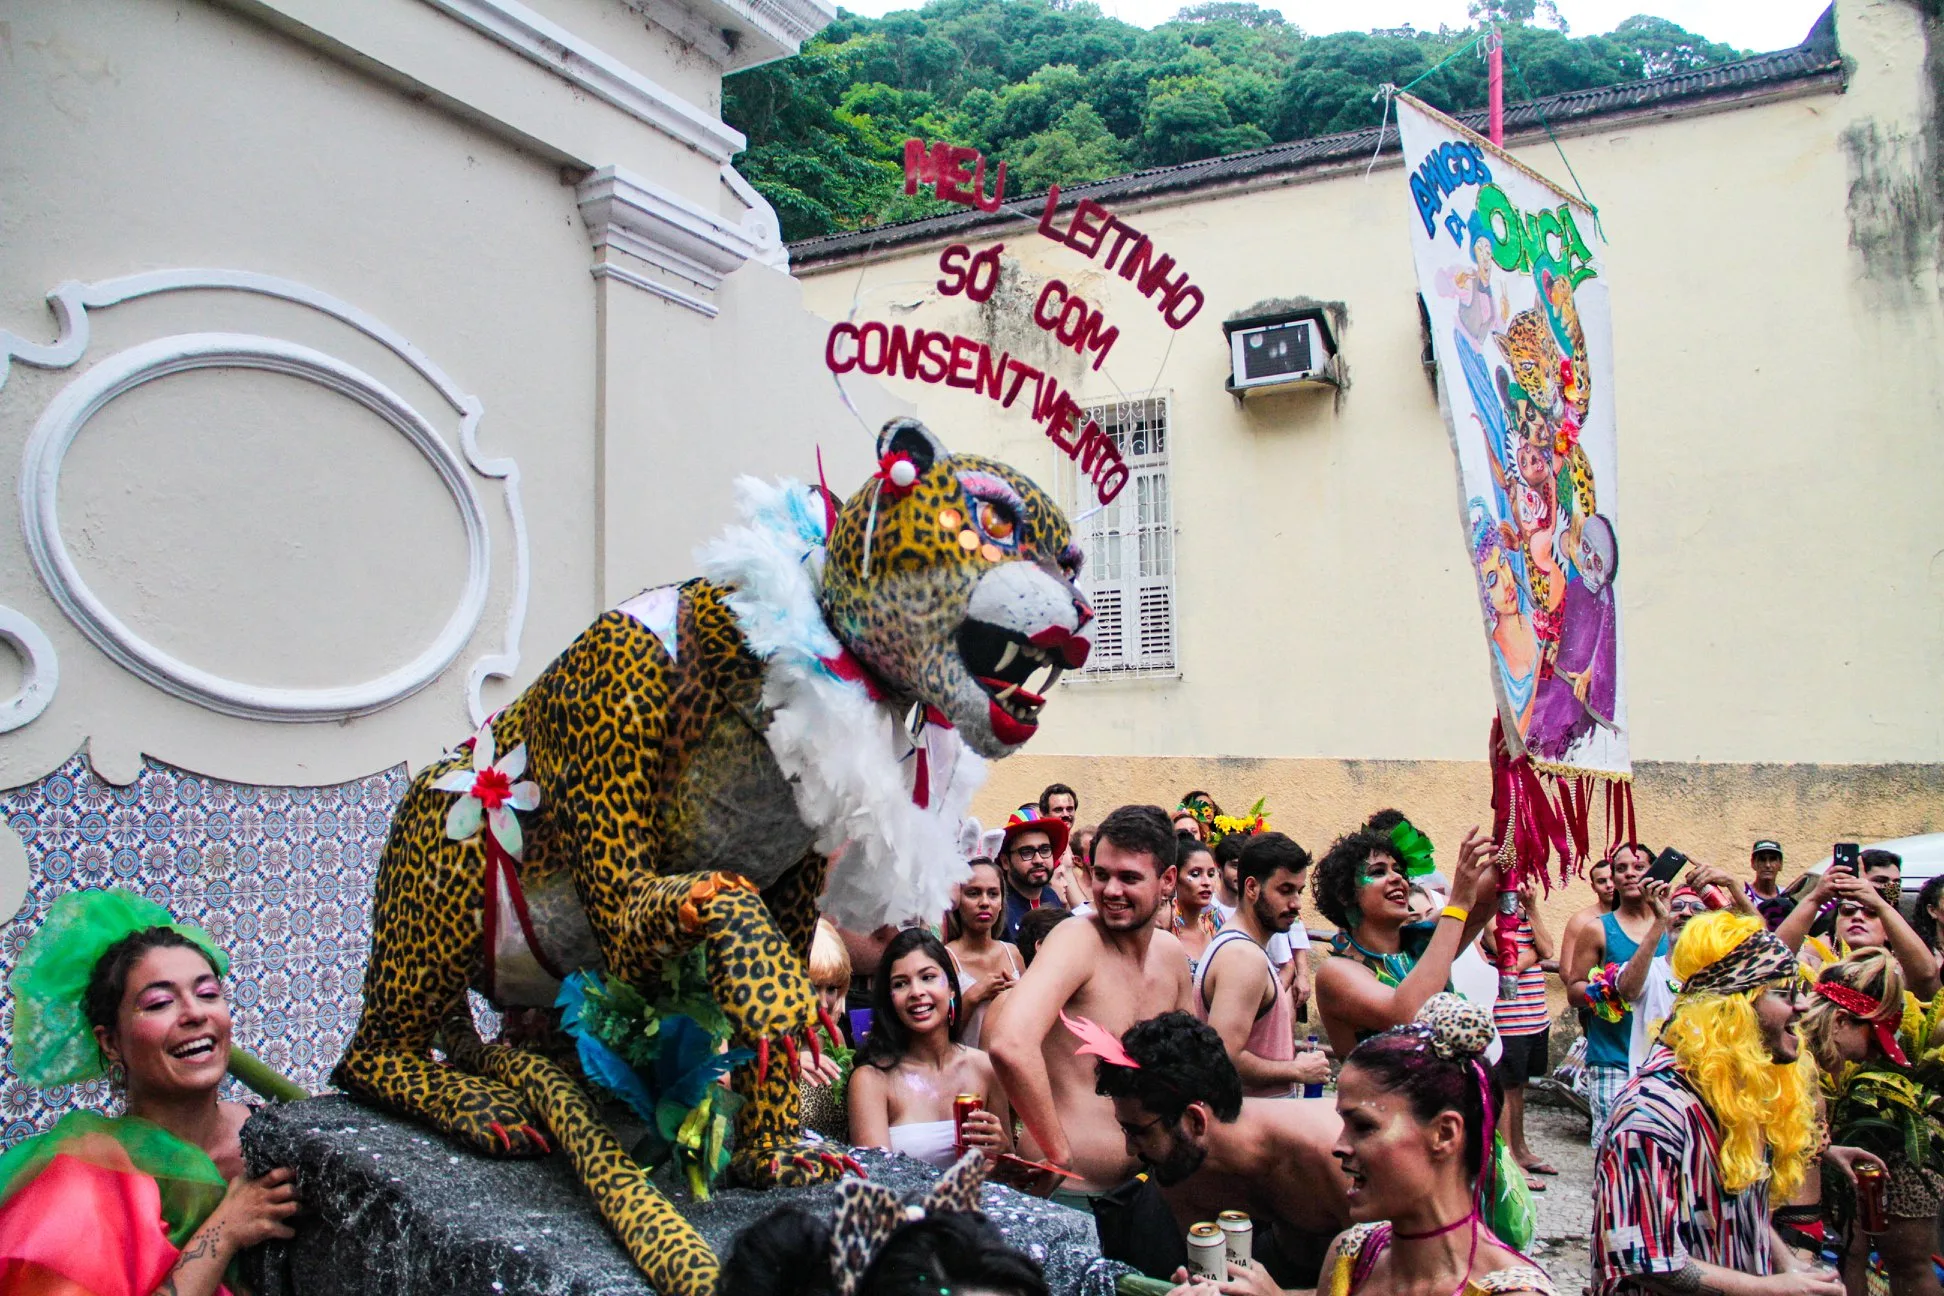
{"x": 1781, "y": 398}
{"x": 394, "y": 158}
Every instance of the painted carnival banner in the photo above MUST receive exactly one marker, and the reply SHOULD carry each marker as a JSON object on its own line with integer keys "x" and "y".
{"x": 1518, "y": 304}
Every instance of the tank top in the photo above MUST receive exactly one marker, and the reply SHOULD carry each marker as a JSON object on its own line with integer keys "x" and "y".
{"x": 1607, "y": 1042}
{"x": 972, "y": 1029}
{"x": 1524, "y": 1013}
{"x": 1273, "y": 1037}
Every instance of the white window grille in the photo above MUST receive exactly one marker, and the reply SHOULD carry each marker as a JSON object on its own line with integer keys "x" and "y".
{"x": 1129, "y": 572}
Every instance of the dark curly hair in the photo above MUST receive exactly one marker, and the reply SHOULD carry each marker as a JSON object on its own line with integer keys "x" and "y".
{"x": 1401, "y": 1061}
{"x": 1140, "y": 829}
{"x": 1229, "y": 850}
{"x": 109, "y": 980}
{"x": 1265, "y": 853}
{"x": 1922, "y": 919}
{"x": 787, "y": 1253}
{"x": 1384, "y": 820}
{"x": 1337, "y": 873}
{"x": 1182, "y": 1062}
{"x": 1033, "y": 927}
{"x": 889, "y": 1041}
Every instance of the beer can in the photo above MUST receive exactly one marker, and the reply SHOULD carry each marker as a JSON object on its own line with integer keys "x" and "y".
{"x": 1207, "y": 1253}
{"x": 1871, "y": 1215}
{"x": 1238, "y": 1234}
{"x": 962, "y": 1106}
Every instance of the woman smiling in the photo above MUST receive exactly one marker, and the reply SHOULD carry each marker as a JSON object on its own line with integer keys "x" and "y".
{"x": 911, "y": 1067}
{"x": 156, "y": 1200}
{"x": 1419, "y": 1110}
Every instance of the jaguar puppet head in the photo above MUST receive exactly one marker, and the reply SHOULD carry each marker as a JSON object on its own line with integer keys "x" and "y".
{"x": 966, "y": 599}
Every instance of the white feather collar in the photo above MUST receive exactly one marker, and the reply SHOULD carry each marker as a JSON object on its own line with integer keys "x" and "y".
{"x": 849, "y": 759}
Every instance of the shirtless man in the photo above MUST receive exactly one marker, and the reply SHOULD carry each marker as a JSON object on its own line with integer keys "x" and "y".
{"x": 1112, "y": 967}
{"x": 1210, "y": 1149}
{"x": 1599, "y": 875}
{"x": 1238, "y": 991}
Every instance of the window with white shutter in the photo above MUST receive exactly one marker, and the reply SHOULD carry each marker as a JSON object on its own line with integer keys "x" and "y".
{"x": 1129, "y": 572}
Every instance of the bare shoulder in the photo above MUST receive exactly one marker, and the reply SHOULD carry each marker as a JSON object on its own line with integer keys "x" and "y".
{"x": 1342, "y": 971}
{"x": 1164, "y": 945}
{"x": 1500, "y": 1272}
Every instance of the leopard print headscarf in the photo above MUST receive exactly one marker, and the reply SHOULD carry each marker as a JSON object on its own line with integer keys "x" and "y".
{"x": 868, "y": 1214}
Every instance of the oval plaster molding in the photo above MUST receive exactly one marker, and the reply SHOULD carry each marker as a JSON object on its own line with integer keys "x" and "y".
{"x": 70, "y": 301}
{"x": 40, "y": 671}
{"x": 127, "y": 370}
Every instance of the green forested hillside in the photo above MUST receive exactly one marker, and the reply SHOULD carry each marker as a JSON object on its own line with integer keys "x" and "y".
{"x": 1063, "y": 93}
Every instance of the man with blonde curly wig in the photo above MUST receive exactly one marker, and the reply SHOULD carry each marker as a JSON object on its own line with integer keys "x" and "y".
{"x": 1719, "y": 1121}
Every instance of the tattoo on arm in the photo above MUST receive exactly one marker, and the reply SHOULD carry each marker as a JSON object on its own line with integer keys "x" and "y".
{"x": 1688, "y": 1280}
{"x": 207, "y": 1242}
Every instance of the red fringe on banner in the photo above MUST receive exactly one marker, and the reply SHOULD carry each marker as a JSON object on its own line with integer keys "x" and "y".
{"x": 1544, "y": 816}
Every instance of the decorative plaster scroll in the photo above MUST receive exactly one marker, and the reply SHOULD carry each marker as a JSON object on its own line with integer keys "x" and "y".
{"x": 71, "y": 301}
{"x": 599, "y": 73}
{"x": 627, "y": 213}
{"x": 40, "y": 670}
{"x": 124, "y": 371}
{"x": 759, "y": 224}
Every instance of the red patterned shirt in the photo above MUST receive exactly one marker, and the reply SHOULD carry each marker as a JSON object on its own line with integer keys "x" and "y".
{"x": 1658, "y": 1200}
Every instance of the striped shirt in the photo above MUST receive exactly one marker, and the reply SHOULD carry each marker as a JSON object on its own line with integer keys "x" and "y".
{"x": 1526, "y": 1013}
{"x": 1658, "y": 1201}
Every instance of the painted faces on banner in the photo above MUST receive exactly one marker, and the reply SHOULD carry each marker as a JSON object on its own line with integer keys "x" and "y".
{"x": 1519, "y": 322}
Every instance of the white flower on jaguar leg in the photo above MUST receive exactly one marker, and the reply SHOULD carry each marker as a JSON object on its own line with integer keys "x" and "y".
{"x": 488, "y": 793}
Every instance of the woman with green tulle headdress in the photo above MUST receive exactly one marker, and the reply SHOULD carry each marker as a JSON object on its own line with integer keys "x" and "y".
{"x": 157, "y": 1200}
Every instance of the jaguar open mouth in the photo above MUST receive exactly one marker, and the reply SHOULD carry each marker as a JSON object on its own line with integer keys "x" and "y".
{"x": 1003, "y": 662}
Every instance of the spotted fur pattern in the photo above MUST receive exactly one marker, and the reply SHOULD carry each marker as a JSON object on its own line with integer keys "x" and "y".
{"x": 628, "y": 745}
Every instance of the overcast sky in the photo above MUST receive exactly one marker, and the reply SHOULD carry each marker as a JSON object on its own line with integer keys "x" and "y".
{"x": 1749, "y": 24}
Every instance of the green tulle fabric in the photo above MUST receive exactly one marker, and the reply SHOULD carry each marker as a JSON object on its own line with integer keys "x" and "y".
{"x": 191, "y": 1186}
{"x": 52, "y": 1041}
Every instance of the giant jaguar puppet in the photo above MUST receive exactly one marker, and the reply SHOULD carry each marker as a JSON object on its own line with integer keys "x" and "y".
{"x": 681, "y": 774}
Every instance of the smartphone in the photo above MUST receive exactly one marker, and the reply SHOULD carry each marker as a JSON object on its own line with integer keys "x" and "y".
{"x": 1666, "y": 865}
{"x": 1844, "y": 855}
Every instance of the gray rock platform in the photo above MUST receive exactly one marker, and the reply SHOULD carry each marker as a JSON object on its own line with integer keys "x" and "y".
{"x": 392, "y": 1209}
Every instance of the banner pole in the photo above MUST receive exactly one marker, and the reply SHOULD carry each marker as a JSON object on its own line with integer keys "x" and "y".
{"x": 1495, "y": 85}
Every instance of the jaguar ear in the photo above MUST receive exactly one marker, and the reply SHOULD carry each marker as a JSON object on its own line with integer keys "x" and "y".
{"x": 909, "y": 436}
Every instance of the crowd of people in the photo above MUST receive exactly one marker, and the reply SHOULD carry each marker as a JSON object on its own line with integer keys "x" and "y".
{"x": 1129, "y": 1017}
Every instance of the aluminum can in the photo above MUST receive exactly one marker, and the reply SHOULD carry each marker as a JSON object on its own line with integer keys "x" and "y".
{"x": 1870, "y": 1213}
{"x": 962, "y": 1106}
{"x": 1238, "y": 1234}
{"x": 1207, "y": 1253}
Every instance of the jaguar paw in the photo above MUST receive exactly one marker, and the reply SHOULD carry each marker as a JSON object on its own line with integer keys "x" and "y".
{"x": 790, "y": 1165}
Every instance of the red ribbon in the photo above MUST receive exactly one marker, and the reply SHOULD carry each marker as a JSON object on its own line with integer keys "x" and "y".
{"x": 1857, "y": 1004}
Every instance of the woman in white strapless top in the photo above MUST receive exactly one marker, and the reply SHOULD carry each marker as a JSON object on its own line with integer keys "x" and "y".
{"x": 986, "y": 967}
{"x": 911, "y": 1066}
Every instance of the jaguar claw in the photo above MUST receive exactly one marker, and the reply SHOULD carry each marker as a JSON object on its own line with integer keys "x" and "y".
{"x": 823, "y": 1015}
{"x": 762, "y": 1060}
{"x": 850, "y": 1164}
{"x": 816, "y": 1053}
{"x": 790, "y": 1051}
{"x": 499, "y": 1132}
{"x": 546, "y": 1148}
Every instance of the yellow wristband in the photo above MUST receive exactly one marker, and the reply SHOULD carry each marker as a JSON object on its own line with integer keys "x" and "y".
{"x": 1455, "y": 911}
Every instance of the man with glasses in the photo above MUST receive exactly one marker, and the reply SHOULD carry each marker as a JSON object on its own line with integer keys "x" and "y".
{"x": 1032, "y": 843}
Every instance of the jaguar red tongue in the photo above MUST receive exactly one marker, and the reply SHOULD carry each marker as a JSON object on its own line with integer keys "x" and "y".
{"x": 1009, "y": 728}
{"x": 1019, "y": 692}
{"x": 1071, "y": 647}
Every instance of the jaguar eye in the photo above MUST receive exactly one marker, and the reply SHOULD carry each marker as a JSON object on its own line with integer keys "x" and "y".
{"x": 997, "y": 521}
